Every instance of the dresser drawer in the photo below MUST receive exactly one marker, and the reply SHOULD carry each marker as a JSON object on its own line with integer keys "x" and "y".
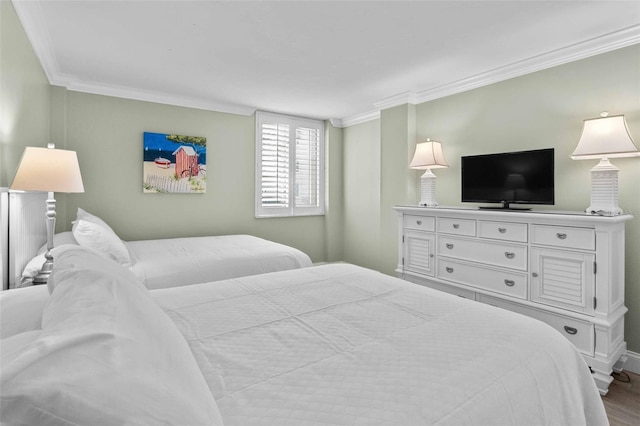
{"x": 507, "y": 231}
{"x": 580, "y": 333}
{"x": 420, "y": 223}
{"x": 446, "y": 288}
{"x": 449, "y": 225}
{"x": 487, "y": 252}
{"x": 562, "y": 236}
{"x": 509, "y": 283}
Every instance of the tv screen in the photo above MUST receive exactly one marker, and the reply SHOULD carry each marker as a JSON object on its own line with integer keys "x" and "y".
{"x": 524, "y": 177}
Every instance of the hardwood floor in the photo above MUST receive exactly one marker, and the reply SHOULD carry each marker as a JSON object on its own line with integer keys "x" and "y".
{"x": 622, "y": 402}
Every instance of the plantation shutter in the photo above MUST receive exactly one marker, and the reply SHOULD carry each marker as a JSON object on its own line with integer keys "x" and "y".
{"x": 275, "y": 165}
{"x": 307, "y": 191}
{"x": 289, "y": 166}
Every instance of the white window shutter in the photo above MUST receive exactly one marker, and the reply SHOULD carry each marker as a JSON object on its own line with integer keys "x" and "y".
{"x": 274, "y": 178}
{"x": 307, "y": 187}
{"x": 289, "y": 166}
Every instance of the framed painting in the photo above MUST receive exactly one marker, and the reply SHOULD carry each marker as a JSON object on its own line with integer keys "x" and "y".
{"x": 174, "y": 164}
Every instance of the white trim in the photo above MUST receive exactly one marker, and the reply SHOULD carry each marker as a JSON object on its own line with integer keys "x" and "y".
{"x": 633, "y": 362}
{"x": 575, "y": 52}
{"x": 396, "y": 100}
{"x": 30, "y": 15}
{"x": 360, "y": 118}
{"x": 158, "y": 97}
{"x": 4, "y": 237}
{"x": 606, "y": 43}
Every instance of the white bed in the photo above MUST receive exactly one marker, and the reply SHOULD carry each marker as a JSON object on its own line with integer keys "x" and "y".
{"x": 159, "y": 263}
{"x": 182, "y": 261}
{"x": 334, "y": 344}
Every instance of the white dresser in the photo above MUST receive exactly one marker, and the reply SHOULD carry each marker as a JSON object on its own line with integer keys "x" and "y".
{"x": 564, "y": 268}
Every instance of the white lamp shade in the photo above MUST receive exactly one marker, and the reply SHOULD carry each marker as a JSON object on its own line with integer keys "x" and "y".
{"x": 428, "y": 155}
{"x": 50, "y": 170}
{"x": 605, "y": 137}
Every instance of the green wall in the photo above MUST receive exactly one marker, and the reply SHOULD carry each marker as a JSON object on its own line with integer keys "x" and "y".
{"x": 361, "y": 188}
{"x": 540, "y": 110}
{"x": 107, "y": 134}
{"x": 25, "y": 95}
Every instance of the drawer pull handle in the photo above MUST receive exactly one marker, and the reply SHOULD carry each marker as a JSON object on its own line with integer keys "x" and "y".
{"x": 502, "y": 230}
{"x": 456, "y": 226}
{"x": 561, "y": 236}
{"x": 419, "y": 222}
{"x": 449, "y": 246}
{"x": 570, "y": 330}
{"x": 449, "y": 269}
{"x": 509, "y": 254}
{"x": 509, "y": 283}
{"x": 534, "y": 274}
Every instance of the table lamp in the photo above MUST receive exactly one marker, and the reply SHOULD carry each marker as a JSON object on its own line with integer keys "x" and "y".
{"x": 428, "y": 156}
{"x": 603, "y": 138}
{"x": 49, "y": 170}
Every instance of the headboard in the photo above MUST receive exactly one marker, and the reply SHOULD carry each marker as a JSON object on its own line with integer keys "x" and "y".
{"x": 24, "y": 231}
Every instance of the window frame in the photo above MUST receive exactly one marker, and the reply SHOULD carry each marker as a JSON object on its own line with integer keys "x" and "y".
{"x": 294, "y": 123}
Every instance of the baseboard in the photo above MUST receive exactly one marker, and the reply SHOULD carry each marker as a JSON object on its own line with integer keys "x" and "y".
{"x": 633, "y": 362}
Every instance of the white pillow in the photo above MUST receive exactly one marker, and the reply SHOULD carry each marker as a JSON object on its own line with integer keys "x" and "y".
{"x": 85, "y": 258}
{"x": 59, "y": 239}
{"x": 102, "y": 239}
{"x": 84, "y": 215}
{"x": 34, "y": 265}
{"x": 107, "y": 354}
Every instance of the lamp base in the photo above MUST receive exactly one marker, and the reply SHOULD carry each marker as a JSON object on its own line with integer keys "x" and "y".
{"x": 428, "y": 189}
{"x": 42, "y": 277}
{"x": 604, "y": 189}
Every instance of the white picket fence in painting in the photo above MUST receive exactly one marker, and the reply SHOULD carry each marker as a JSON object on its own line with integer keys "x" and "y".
{"x": 168, "y": 184}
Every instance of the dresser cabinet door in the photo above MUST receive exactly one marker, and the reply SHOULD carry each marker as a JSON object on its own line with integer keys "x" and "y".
{"x": 564, "y": 279}
{"x": 419, "y": 252}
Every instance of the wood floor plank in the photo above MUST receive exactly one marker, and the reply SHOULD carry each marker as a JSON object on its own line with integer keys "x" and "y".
{"x": 622, "y": 402}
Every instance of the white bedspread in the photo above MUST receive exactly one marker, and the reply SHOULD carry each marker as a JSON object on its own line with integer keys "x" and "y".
{"x": 338, "y": 344}
{"x": 183, "y": 261}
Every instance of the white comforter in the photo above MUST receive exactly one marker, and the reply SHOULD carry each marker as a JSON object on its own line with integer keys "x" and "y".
{"x": 183, "y": 261}
{"x": 338, "y": 344}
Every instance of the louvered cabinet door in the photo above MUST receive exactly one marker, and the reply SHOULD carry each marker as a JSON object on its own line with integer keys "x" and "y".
{"x": 419, "y": 252}
{"x": 563, "y": 278}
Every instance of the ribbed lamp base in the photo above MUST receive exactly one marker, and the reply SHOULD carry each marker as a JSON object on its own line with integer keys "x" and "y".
{"x": 604, "y": 189}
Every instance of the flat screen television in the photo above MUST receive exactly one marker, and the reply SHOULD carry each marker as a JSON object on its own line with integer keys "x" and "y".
{"x": 523, "y": 177}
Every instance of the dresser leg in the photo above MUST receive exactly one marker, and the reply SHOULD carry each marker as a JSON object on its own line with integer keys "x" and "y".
{"x": 602, "y": 380}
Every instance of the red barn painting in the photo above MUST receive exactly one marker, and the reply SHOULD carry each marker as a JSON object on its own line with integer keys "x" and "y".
{"x": 186, "y": 162}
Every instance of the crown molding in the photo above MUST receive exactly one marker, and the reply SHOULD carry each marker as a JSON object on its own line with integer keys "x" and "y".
{"x": 336, "y": 122}
{"x": 608, "y": 42}
{"x": 360, "y": 118}
{"x": 396, "y": 100}
{"x": 153, "y": 96}
{"x": 30, "y": 16}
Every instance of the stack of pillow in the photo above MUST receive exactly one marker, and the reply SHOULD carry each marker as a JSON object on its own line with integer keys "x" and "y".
{"x": 88, "y": 231}
{"x": 105, "y": 354}
{"x": 92, "y": 232}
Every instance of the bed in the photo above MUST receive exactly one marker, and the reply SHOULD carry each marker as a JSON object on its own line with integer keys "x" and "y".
{"x": 333, "y": 344}
{"x": 159, "y": 263}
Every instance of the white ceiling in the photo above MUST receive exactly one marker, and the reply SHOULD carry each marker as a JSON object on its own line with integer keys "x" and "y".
{"x": 338, "y": 60}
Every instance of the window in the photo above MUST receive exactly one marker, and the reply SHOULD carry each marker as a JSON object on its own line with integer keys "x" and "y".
{"x": 289, "y": 166}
